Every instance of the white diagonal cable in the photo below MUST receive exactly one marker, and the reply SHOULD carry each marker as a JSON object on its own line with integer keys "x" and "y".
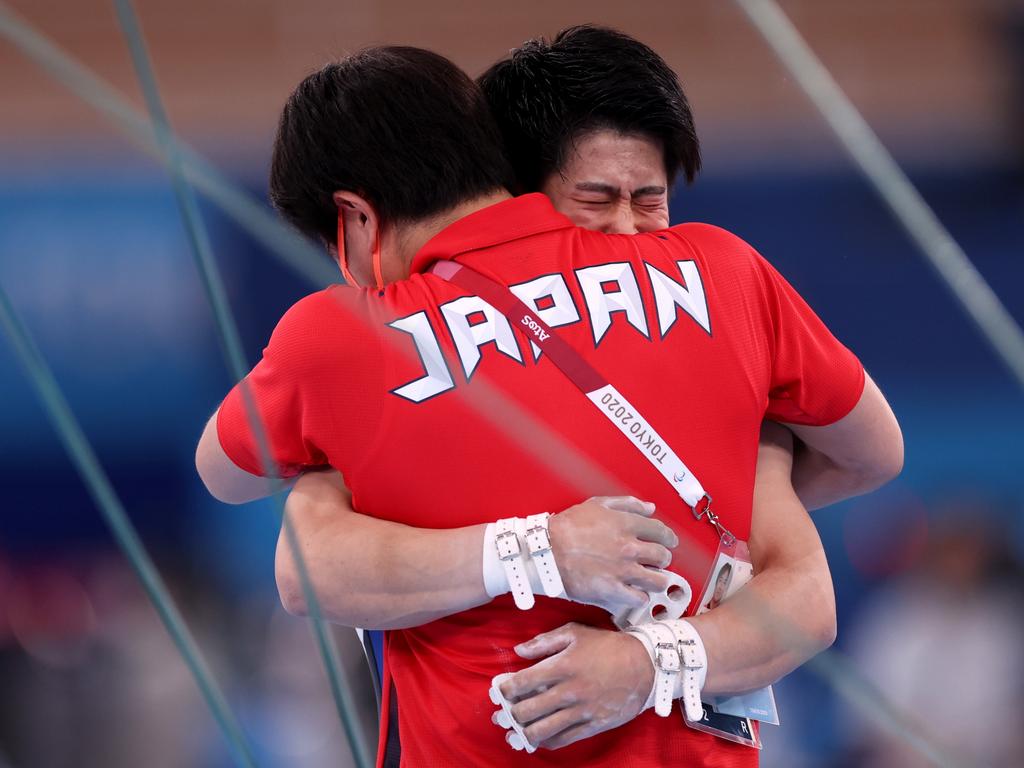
{"x": 285, "y": 244}
{"x": 976, "y": 296}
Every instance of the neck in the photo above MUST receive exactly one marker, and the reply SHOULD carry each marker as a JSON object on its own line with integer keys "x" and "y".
{"x": 410, "y": 238}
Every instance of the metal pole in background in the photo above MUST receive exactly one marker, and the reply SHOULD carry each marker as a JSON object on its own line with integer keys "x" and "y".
{"x": 873, "y": 160}
{"x": 199, "y": 242}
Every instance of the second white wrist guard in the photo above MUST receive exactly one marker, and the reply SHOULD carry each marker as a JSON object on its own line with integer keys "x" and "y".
{"x": 518, "y": 558}
{"x": 680, "y": 665}
{"x": 534, "y": 533}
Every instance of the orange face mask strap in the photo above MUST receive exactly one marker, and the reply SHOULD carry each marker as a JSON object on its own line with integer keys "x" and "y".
{"x": 378, "y": 274}
{"x": 342, "y": 255}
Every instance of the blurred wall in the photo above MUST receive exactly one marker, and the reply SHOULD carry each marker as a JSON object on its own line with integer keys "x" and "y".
{"x": 931, "y": 69}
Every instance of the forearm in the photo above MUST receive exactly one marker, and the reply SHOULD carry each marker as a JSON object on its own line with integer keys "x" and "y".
{"x": 857, "y": 454}
{"x": 375, "y": 573}
{"x": 379, "y": 574}
{"x": 224, "y": 480}
{"x": 778, "y": 621}
{"x": 787, "y": 612}
{"x": 820, "y": 482}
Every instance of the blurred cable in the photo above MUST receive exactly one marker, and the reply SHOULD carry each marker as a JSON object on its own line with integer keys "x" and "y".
{"x": 199, "y": 243}
{"x": 251, "y": 214}
{"x": 846, "y": 680}
{"x": 862, "y": 144}
{"x": 943, "y": 253}
{"x": 102, "y": 492}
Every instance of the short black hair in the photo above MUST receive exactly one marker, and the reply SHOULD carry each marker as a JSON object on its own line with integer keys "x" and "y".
{"x": 403, "y": 127}
{"x": 545, "y": 96}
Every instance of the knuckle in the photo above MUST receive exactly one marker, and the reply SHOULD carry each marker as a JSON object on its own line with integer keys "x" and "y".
{"x": 654, "y": 577}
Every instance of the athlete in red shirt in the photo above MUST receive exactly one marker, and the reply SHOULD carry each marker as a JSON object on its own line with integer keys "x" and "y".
{"x": 331, "y": 393}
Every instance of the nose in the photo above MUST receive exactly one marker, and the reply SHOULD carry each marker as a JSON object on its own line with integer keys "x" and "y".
{"x": 621, "y": 220}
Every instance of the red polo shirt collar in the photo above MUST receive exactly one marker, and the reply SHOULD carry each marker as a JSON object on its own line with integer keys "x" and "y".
{"x": 500, "y": 223}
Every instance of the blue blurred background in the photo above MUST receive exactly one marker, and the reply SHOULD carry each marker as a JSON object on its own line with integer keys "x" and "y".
{"x": 93, "y": 254}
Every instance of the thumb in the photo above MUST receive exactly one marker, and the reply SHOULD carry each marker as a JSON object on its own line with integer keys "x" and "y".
{"x": 546, "y": 644}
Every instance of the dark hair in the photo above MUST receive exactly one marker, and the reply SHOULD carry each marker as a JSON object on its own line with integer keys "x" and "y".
{"x": 403, "y": 127}
{"x": 547, "y": 95}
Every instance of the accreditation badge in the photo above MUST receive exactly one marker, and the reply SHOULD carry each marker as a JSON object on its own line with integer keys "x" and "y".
{"x": 733, "y": 718}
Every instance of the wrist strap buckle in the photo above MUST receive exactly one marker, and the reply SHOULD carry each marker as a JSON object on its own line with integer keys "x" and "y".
{"x": 667, "y": 658}
{"x": 507, "y": 544}
{"x": 538, "y": 541}
{"x": 691, "y": 646}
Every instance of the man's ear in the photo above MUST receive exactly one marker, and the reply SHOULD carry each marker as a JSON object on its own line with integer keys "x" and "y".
{"x": 361, "y": 228}
{"x": 356, "y": 209}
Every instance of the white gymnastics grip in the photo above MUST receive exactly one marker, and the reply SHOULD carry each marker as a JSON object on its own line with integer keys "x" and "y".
{"x": 668, "y": 604}
{"x": 503, "y": 717}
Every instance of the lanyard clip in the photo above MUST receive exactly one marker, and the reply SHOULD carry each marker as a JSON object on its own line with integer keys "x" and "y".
{"x": 702, "y": 510}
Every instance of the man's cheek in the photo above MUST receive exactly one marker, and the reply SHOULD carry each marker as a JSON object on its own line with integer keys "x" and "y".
{"x": 652, "y": 222}
{"x": 582, "y": 217}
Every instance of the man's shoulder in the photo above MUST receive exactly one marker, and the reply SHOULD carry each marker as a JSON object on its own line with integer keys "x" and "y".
{"x": 337, "y": 307}
{"x": 681, "y": 241}
{"x": 328, "y": 301}
{"x": 314, "y": 326}
{"x": 711, "y": 239}
{"x": 716, "y": 251}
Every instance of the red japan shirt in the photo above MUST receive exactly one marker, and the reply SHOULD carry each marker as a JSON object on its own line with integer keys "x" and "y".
{"x": 439, "y": 414}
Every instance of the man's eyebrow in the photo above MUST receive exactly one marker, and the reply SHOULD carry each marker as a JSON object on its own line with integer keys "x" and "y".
{"x": 652, "y": 190}
{"x": 613, "y": 191}
{"x": 597, "y": 186}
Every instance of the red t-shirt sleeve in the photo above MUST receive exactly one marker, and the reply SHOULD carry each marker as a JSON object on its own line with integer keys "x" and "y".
{"x": 318, "y": 360}
{"x": 815, "y": 380}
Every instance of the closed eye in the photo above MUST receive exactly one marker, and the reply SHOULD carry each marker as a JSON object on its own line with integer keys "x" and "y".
{"x": 649, "y": 201}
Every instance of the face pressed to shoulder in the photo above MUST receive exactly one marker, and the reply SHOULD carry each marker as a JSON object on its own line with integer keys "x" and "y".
{"x": 612, "y": 182}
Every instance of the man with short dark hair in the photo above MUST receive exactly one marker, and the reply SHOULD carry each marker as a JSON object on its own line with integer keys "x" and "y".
{"x": 587, "y": 78}
{"x": 329, "y": 391}
{"x": 429, "y": 170}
